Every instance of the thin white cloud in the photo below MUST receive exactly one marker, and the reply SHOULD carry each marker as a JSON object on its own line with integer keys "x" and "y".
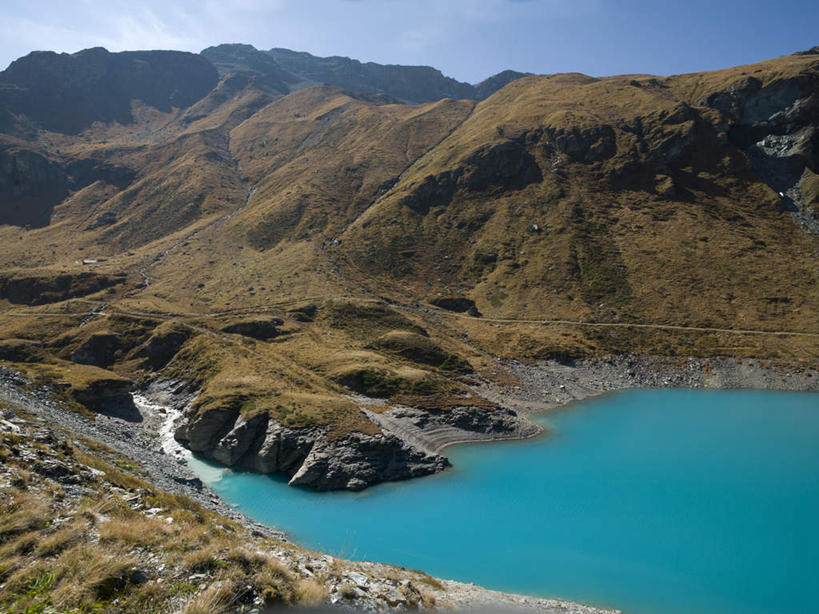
{"x": 142, "y": 30}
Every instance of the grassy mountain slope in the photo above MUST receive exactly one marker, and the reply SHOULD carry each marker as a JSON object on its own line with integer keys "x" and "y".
{"x": 322, "y": 222}
{"x": 627, "y": 199}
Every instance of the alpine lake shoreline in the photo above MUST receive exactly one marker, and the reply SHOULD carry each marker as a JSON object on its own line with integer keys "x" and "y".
{"x": 530, "y": 389}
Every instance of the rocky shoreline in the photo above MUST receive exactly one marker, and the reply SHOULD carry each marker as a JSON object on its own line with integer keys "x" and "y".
{"x": 412, "y": 440}
{"x": 352, "y": 586}
{"x": 408, "y": 445}
{"x": 551, "y": 385}
{"x": 530, "y": 389}
{"x": 138, "y": 441}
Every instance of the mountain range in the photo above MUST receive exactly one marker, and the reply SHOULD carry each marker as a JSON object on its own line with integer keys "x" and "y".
{"x": 289, "y": 235}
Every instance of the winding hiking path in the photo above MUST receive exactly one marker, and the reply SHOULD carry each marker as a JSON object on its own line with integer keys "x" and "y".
{"x": 702, "y": 329}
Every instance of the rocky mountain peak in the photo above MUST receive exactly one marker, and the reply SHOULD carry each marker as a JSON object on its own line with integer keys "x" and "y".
{"x": 66, "y": 93}
{"x": 284, "y": 70}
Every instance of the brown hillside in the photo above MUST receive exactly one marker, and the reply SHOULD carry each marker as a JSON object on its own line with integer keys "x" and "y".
{"x": 599, "y": 203}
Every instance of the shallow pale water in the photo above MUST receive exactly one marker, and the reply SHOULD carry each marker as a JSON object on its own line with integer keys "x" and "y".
{"x": 651, "y": 501}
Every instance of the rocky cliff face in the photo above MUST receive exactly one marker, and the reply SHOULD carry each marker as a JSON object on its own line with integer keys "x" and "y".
{"x": 68, "y": 92}
{"x": 30, "y": 186}
{"x": 32, "y": 182}
{"x": 407, "y": 445}
{"x": 310, "y": 456}
{"x": 247, "y": 60}
{"x": 776, "y": 127}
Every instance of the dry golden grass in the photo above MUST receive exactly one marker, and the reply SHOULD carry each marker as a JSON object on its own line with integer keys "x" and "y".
{"x": 104, "y": 548}
{"x": 201, "y": 560}
{"x": 86, "y": 574}
{"x": 721, "y": 253}
{"x": 22, "y": 513}
{"x": 136, "y": 530}
{"x": 215, "y": 599}
{"x": 64, "y": 537}
{"x": 310, "y": 592}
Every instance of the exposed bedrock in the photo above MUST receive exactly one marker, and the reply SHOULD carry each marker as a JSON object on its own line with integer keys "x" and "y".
{"x": 162, "y": 346}
{"x": 434, "y": 430}
{"x": 33, "y": 183}
{"x": 358, "y": 460}
{"x": 98, "y": 350}
{"x": 776, "y": 128}
{"x": 69, "y": 92}
{"x": 111, "y": 396}
{"x": 31, "y": 186}
{"x": 310, "y": 456}
{"x": 507, "y": 165}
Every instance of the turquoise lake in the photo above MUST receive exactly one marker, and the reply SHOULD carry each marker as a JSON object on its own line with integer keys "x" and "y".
{"x": 650, "y": 501}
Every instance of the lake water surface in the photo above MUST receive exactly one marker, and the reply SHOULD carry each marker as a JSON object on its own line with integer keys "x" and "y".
{"x": 650, "y": 501}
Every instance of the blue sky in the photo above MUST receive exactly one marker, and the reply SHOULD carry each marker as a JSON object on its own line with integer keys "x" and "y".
{"x": 466, "y": 39}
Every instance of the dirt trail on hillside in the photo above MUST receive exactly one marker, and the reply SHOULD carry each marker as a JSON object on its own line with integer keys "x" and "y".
{"x": 273, "y": 307}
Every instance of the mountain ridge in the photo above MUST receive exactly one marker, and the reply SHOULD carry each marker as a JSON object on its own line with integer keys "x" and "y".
{"x": 412, "y": 84}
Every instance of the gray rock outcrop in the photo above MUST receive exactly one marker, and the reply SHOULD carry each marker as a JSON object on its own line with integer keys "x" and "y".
{"x": 776, "y": 126}
{"x": 432, "y": 431}
{"x": 69, "y": 92}
{"x": 358, "y": 460}
{"x": 308, "y": 455}
{"x": 111, "y": 396}
{"x": 162, "y": 346}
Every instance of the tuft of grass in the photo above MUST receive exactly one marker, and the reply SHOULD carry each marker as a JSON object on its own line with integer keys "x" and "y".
{"x": 64, "y": 537}
{"x": 136, "y": 530}
{"x": 87, "y": 574}
{"x": 275, "y": 583}
{"x": 434, "y": 583}
{"x": 310, "y": 592}
{"x": 23, "y": 513}
{"x": 215, "y": 599}
{"x": 205, "y": 560}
